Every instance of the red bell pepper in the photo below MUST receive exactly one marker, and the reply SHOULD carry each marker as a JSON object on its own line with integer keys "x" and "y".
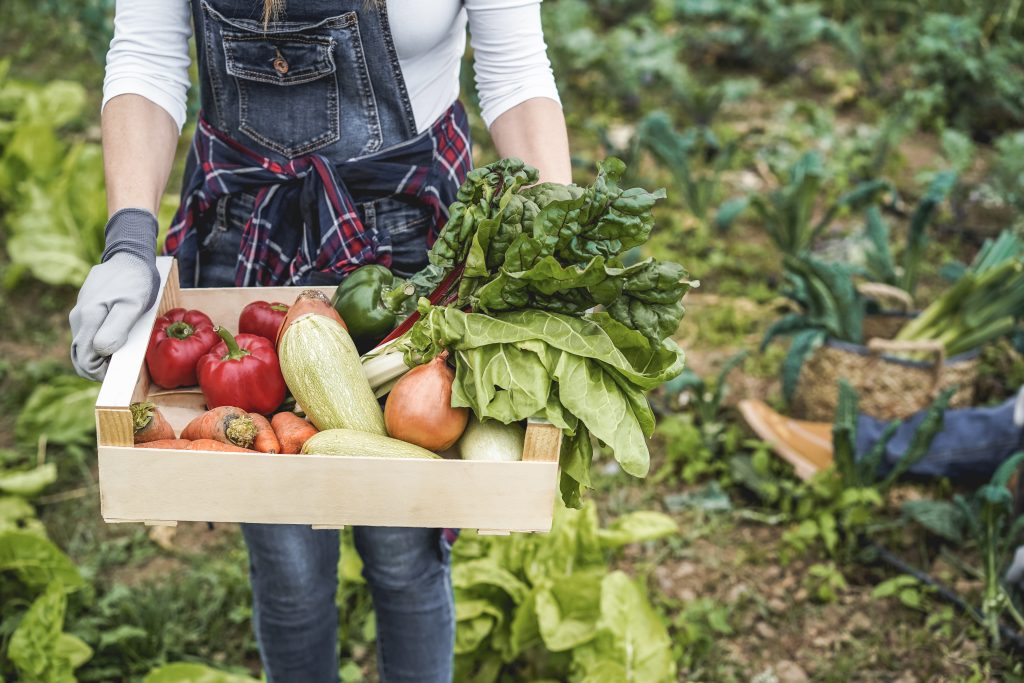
{"x": 242, "y": 371}
{"x": 178, "y": 340}
{"x": 262, "y": 318}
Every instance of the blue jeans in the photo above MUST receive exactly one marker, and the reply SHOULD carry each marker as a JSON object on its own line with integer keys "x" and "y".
{"x": 972, "y": 443}
{"x": 294, "y": 574}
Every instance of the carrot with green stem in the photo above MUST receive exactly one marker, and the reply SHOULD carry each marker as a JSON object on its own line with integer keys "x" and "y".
{"x": 227, "y": 424}
{"x": 149, "y": 424}
{"x": 292, "y": 431}
{"x": 266, "y": 440}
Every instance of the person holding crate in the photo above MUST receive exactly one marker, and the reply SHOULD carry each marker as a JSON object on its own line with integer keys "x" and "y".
{"x": 330, "y": 136}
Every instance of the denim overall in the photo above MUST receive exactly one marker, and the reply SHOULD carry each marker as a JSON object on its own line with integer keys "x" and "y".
{"x": 325, "y": 79}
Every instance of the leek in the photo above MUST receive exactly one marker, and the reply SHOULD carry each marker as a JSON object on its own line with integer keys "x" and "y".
{"x": 981, "y": 306}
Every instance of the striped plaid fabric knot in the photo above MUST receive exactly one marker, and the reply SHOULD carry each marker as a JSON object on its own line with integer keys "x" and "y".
{"x": 305, "y": 219}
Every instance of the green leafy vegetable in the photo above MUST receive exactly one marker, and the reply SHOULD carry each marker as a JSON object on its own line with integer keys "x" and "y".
{"x": 587, "y": 376}
{"x": 554, "y": 592}
{"x": 39, "y": 649}
{"x": 556, "y": 248}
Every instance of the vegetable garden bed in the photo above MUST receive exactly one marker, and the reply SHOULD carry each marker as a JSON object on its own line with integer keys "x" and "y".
{"x": 166, "y": 486}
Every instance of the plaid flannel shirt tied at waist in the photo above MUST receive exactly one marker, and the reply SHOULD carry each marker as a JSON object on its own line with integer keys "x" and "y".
{"x": 304, "y": 219}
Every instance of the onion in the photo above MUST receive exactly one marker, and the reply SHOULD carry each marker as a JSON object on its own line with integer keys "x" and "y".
{"x": 419, "y": 409}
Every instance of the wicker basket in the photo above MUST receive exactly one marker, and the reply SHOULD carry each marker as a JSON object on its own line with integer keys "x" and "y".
{"x": 889, "y": 387}
{"x": 896, "y": 309}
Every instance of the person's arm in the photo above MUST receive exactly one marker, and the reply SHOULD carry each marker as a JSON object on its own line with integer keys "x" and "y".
{"x": 145, "y": 88}
{"x": 139, "y": 142}
{"x": 518, "y": 97}
{"x": 144, "y": 97}
{"x": 535, "y": 132}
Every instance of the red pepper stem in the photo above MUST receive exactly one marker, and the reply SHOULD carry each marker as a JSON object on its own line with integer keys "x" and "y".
{"x": 280, "y": 308}
{"x": 235, "y": 352}
{"x": 179, "y": 330}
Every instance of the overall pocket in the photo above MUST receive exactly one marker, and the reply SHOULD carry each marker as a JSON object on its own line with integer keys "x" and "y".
{"x": 289, "y": 86}
{"x": 273, "y": 76}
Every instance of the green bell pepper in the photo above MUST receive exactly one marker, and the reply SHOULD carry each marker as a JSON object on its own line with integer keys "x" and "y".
{"x": 372, "y": 301}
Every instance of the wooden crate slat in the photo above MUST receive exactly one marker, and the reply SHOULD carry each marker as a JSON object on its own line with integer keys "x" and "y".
{"x": 155, "y": 484}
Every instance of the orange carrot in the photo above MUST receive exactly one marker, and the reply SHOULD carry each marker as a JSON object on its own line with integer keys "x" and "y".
{"x": 226, "y": 424}
{"x": 266, "y": 441}
{"x": 173, "y": 444}
{"x": 214, "y": 445}
{"x": 149, "y": 423}
{"x": 292, "y": 431}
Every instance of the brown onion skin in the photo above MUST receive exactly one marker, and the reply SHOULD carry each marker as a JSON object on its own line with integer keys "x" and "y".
{"x": 419, "y": 408}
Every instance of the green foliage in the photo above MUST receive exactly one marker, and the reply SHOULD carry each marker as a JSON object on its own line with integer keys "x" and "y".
{"x": 696, "y": 443}
{"x": 39, "y": 649}
{"x": 37, "y": 577}
{"x": 878, "y": 257}
{"x": 768, "y": 35}
{"x": 696, "y": 158}
{"x": 840, "y": 504}
{"x": 51, "y": 189}
{"x": 978, "y": 80}
{"x": 907, "y": 589}
{"x": 788, "y": 212}
{"x": 1007, "y": 174}
{"x": 205, "y": 612}
{"x": 545, "y": 606}
{"x": 989, "y": 519}
{"x": 825, "y": 581}
{"x": 193, "y": 673}
{"x": 61, "y": 412}
{"x": 700, "y": 624}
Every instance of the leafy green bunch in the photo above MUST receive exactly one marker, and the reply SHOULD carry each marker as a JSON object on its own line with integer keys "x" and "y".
{"x": 584, "y": 375}
{"x": 545, "y": 606}
{"x": 51, "y": 191}
{"x": 984, "y": 303}
{"x": 36, "y": 578}
{"x": 557, "y": 248}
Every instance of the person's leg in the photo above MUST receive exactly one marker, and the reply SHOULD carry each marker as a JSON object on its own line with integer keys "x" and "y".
{"x": 294, "y": 575}
{"x": 971, "y": 444}
{"x": 409, "y": 578}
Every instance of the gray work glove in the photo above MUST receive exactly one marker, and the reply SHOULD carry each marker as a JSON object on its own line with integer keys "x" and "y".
{"x": 116, "y": 293}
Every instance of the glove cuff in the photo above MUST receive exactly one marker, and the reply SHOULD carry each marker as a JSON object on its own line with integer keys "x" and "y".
{"x": 131, "y": 231}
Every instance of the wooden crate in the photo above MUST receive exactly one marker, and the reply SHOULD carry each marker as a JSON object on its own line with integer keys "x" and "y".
{"x": 166, "y": 486}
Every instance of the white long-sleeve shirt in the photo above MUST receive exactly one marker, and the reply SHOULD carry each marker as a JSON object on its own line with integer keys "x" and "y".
{"x": 149, "y": 53}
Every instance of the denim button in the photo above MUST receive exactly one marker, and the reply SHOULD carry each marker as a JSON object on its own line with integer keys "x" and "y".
{"x": 280, "y": 64}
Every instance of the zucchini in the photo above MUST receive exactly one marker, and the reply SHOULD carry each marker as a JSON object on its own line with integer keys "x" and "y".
{"x": 352, "y": 442}
{"x": 321, "y": 367}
